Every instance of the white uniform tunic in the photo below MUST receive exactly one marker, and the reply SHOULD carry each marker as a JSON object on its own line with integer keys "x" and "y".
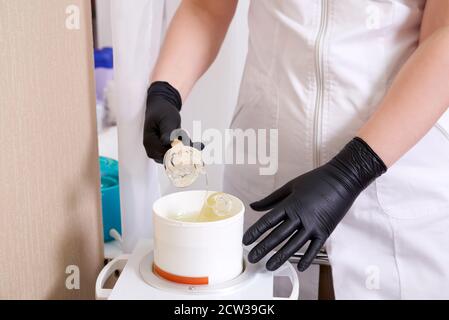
{"x": 316, "y": 70}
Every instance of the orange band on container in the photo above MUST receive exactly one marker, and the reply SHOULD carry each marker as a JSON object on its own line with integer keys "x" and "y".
{"x": 180, "y": 279}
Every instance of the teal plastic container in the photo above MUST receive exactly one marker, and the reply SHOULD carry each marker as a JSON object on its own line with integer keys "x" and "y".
{"x": 110, "y": 197}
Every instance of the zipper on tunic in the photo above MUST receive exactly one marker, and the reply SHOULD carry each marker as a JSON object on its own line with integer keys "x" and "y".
{"x": 319, "y": 73}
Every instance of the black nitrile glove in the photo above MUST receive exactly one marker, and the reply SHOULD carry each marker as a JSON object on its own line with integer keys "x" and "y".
{"x": 163, "y": 121}
{"x": 161, "y": 118}
{"x": 310, "y": 206}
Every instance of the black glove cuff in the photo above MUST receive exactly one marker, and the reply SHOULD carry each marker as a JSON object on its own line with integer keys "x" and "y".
{"x": 378, "y": 163}
{"x": 359, "y": 163}
{"x": 166, "y": 91}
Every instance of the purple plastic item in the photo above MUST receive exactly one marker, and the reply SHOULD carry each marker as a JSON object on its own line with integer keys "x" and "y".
{"x": 104, "y": 71}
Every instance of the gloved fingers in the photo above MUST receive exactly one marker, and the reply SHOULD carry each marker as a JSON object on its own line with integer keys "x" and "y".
{"x": 169, "y": 127}
{"x": 153, "y": 147}
{"x": 168, "y": 134}
{"x": 277, "y": 236}
{"x": 313, "y": 249}
{"x": 182, "y": 136}
{"x": 156, "y": 156}
{"x": 165, "y": 140}
{"x": 271, "y": 200}
{"x": 266, "y": 222}
{"x": 290, "y": 248}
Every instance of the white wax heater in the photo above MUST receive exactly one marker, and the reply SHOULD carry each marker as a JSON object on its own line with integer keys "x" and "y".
{"x": 196, "y": 253}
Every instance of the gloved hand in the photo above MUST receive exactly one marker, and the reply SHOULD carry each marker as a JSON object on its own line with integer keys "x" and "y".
{"x": 161, "y": 118}
{"x": 310, "y": 206}
{"x": 163, "y": 121}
